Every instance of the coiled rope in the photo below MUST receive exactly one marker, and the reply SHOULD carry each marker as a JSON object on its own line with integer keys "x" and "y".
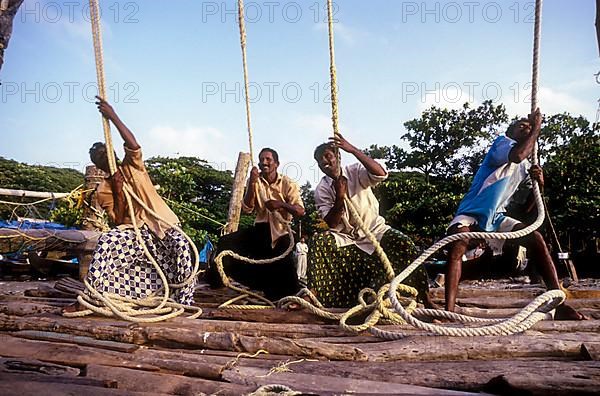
{"x": 152, "y": 308}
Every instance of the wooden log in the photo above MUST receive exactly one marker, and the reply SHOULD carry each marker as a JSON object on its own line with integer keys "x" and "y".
{"x": 93, "y": 178}
{"x": 78, "y": 340}
{"x": 423, "y": 348}
{"x": 31, "y": 194}
{"x": 101, "y": 329}
{"x": 51, "y": 379}
{"x": 289, "y": 330}
{"x": 470, "y": 292}
{"x": 141, "y": 381}
{"x": 26, "y": 308}
{"x": 66, "y": 354}
{"x": 543, "y": 384}
{"x": 35, "y": 366}
{"x": 237, "y": 193}
{"x": 14, "y": 387}
{"x": 266, "y": 316}
{"x": 321, "y": 384}
{"x": 495, "y": 302}
{"x": 47, "y": 291}
{"x": 47, "y": 239}
{"x": 240, "y": 343}
{"x": 470, "y": 376}
{"x": 591, "y": 350}
{"x": 77, "y": 356}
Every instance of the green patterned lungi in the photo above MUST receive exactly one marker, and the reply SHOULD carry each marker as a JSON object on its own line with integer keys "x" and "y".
{"x": 338, "y": 274}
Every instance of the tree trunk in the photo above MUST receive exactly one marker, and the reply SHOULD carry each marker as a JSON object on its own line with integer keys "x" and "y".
{"x": 8, "y": 10}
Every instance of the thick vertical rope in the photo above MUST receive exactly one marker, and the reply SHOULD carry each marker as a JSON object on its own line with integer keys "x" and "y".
{"x": 242, "y": 25}
{"x": 98, "y": 55}
{"x": 332, "y": 71}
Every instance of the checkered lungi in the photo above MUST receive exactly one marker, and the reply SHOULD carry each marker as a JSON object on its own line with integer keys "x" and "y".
{"x": 119, "y": 265}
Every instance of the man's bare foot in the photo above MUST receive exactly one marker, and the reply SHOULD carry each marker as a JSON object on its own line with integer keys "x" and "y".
{"x": 428, "y": 302}
{"x": 566, "y": 312}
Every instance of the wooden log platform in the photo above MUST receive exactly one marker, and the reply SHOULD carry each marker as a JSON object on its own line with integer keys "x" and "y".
{"x": 235, "y": 352}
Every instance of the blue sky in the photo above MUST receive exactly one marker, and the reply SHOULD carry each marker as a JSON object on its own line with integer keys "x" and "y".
{"x": 174, "y": 73}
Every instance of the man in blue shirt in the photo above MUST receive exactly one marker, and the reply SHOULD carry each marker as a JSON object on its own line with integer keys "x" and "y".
{"x": 483, "y": 208}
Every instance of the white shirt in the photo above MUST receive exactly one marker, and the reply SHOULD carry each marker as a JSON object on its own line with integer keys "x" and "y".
{"x": 360, "y": 182}
{"x": 301, "y": 249}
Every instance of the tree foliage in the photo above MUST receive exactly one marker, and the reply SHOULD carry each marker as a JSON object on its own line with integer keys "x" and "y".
{"x": 20, "y": 176}
{"x": 571, "y": 157}
{"x": 197, "y": 193}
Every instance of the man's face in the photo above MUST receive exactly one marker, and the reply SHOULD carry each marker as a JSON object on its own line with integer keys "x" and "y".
{"x": 100, "y": 159}
{"x": 328, "y": 163}
{"x": 267, "y": 163}
{"x": 520, "y": 130}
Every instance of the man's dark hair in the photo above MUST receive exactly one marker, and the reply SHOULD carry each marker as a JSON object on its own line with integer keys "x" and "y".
{"x": 270, "y": 150}
{"x": 99, "y": 146}
{"x": 513, "y": 125}
{"x": 320, "y": 150}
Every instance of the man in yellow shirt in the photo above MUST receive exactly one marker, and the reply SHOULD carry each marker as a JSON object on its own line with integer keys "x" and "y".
{"x": 119, "y": 265}
{"x": 267, "y": 192}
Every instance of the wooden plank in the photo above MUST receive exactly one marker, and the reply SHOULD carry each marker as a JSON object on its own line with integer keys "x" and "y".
{"x": 79, "y": 340}
{"x": 319, "y": 383}
{"x": 142, "y": 381}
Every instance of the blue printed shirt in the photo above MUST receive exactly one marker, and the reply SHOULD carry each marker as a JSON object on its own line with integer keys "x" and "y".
{"x": 493, "y": 186}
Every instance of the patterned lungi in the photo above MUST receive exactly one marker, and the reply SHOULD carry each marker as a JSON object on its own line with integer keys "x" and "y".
{"x": 338, "y": 274}
{"x": 119, "y": 265}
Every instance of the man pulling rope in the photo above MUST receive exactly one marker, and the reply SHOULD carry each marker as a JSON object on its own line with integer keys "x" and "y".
{"x": 119, "y": 265}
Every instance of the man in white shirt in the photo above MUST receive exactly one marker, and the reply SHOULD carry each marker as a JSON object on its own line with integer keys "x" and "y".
{"x": 341, "y": 261}
{"x": 301, "y": 252}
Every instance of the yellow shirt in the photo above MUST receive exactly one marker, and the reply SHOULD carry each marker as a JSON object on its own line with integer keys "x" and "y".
{"x": 136, "y": 176}
{"x": 283, "y": 189}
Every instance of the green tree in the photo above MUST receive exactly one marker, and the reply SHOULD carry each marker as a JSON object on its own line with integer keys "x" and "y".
{"x": 197, "y": 193}
{"x": 20, "y": 176}
{"x": 442, "y": 141}
{"x": 570, "y": 147}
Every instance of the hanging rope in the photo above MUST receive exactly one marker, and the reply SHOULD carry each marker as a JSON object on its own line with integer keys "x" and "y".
{"x": 158, "y": 308}
{"x": 242, "y": 26}
{"x": 260, "y": 193}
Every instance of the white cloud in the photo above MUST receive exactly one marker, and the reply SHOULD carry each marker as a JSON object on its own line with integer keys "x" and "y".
{"x": 551, "y": 101}
{"x": 204, "y": 142}
{"x": 345, "y": 34}
{"x": 450, "y": 96}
